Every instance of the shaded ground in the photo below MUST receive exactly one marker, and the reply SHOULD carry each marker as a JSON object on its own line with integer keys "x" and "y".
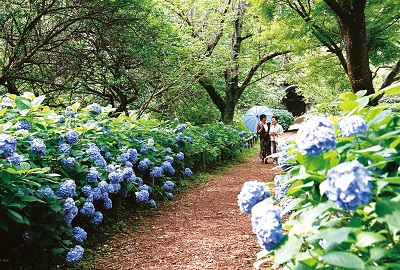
{"x": 199, "y": 229}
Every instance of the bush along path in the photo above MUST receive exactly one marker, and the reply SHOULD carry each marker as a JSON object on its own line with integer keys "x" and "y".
{"x": 201, "y": 228}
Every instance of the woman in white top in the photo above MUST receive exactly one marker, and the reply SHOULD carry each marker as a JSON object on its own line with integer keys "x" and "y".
{"x": 276, "y": 132}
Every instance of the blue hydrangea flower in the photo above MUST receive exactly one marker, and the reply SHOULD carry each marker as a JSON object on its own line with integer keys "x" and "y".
{"x": 15, "y": 159}
{"x": 61, "y": 119}
{"x": 70, "y": 214}
{"x": 87, "y": 209}
{"x": 87, "y": 190}
{"x": 70, "y": 112}
{"x": 96, "y": 192}
{"x": 128, "y": 173}
{"x": 168, "y": 186}
{"x": 176, "y": 120}
{"x": 38, "y": 147}
{"x": 170, "y": 195}
{"x": 349, "y": 185}
{"x": 68, "y": 162}
{"x": 23, "y": 124}
{"x": 180, "y": 156}
{"x": 8, "y": 145}
{"x": 145, "y": 187}
{"x": 110, "y": 168}
{"x": 188, "y": 172}
{"x": 169, "y": 140}
{"x": 156, "y": 172}
{"x": 142, "y": 196}
{"x": 316, "y": 135}
{"x": 281, "y": 191}
{"x": 352, "y": 125}
{"x": 107, "y": 202}
{"x": 75, "y": 255}
{"x": 189, "y": 139}
{"x": 169, "y": 159}
{"x": 102, "y": 185}
{"x": 95, "y": 155}
{"x": 282, "y": 158}
{"x": 252, "y": 193}
{"x": 7, "y": 102}
{"x": 133, "y": 155}
{"x": 206, "y": 136}
{"x": 93, "y": 175}
{"x": 139, "y": 181}
{"x": 78, "y": 235}
{"x": 46, "y": 192}
{"x": 115, "y": 177}
{"x": 143, "y": 149}
{"x": 167, "y": 167}
{"x": 152, "y": 203}
{"x": 267, "y": 224}
{"x": 97, "y": 218}
{"x": 94, "y": 109}
{"x": 144, "y": 164}
{"x": 150, "y": 142}
{"x": 71, "y": 137}
{"x": 64, "y": 148}
{"x": 180, "y": 127}
{"x": 66, "y": 189}
{"x": 108, "y": 155}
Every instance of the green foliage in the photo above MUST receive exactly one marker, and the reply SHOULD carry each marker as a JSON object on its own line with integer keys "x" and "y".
{"x": 319, "y": 233}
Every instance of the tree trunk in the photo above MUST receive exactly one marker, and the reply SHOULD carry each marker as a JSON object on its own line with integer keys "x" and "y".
{"x": 229, "y": 112}
{"x": 354, "y": 36}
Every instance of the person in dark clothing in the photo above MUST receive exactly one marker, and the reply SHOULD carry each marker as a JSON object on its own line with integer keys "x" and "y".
{"x": 263, "y": 129}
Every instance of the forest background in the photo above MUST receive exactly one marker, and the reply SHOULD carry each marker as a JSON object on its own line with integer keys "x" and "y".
{"x": 196, "y": 60}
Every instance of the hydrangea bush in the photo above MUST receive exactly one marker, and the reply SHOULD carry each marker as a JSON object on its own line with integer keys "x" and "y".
{"x": 338, "y": 195}
{"x": 62, "y": 172}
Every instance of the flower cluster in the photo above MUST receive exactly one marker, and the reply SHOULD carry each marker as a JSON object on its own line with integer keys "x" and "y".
{"x": 316, "y": 135}
{"x": 143, "y": 149}
{"x": 94, "y": 109}
{"x": 180, "y": 156}
{"x": 167, "y": 167}
{"x": 8, "y": 145}
{"x": 38, "y": 147}
{"x": 87, "y": 209}
{"x": 7, "y": 102}
{"x": 156, "y": 172}
{"x": 70, "y": 112}
{"x": 144, "y": 164}
{"x": 252, "y": 193}
{"x": 45, "y": 191}
{"x": 116, "y": 177}
{"x": 352, "y": 125}
{"x": 64, "y": 148}
{"x": 78, "y": 235}
{"x": 142, "y": 196}
{"x": 70, "y": 210}
{"x": 23, "y": 124}
{"x": 349, "y": 185}
{"x": 95, "y": 155}
{"x": 75, "y": 255}
{"x": 188, "y": 172}
{"x": 97, "y": 218}
{"x": 15, "y": 159}
{"x": 66, "y": 189}
{"x": 267, "y": 224}
{"x": 152, "y": 203}
{"x": 93, "y": 175}
{"x": 68, "y": 162}
{"x": 168, "y": 186}
{"x": 181, "y": 127}
{"x": 169, "y": 159}
{"x": 71, "y": 137}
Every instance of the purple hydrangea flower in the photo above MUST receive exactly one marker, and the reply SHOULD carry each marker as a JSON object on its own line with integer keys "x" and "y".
{"x": 8, "y": 145}
{"x": 78, "y": 235}
{"x": 267, "y": 224}
{"x": 188, "y": 172}
{"x": 180, "y": 156}
{"x": 38, "y": 147}
{"x": 71, "y": 137}
{"x": 156, "y": 172}
{"x": 97, "y": 218}
{"x": 142, "y": 196}
{"x": 352, "y": 125}
{"x": 349, "y": 185}
{"x": 66, "y": 189}
{"x": 87, "y": 209}
{"x": 252, "y": 193}
{"x": 75, "y": 255}
{"x": 316, "y": 135}
{"x": 168, "y": 186}
{"x": 68, "y": 162}
{"x": 23, "y": 124}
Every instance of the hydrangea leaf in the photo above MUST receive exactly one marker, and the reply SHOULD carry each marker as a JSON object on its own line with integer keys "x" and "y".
{"x": 377, "y": 253}
{"x": 366, "y": 239}
{"x": 349, "y": 105}
{"x": 348, "y": 96}
{"x": 343, "y": 259}
{"x": 389, "y": 212}
{"x": 334, "y": 236}
{"x": 288, "y": 247}
{"x": 38, "y": 100}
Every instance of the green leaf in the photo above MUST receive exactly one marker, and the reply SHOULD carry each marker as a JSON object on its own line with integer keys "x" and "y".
{"x": 15, "y": 216}
{"x": 55, "y": 207}
{"x": 362, "y": 102}
{"x": 377, "y": 253}
{"x": 287, "y": 248}
{"x": 4, "y": 224}
{"x": 392, "y": 89}
{"x": 348, "y": 96}
{"x": 38, "y": 100}
{"x": 334, "y": 236}
{"x": 22, "y": 103}
{"x": 28, "y": 198}
{"x": 389, "y": 212}
{"x": 366, "y": 239}
{"x": 343, "y": 259}
{"x": 349, "y": 105}
{"x": 25, "y": 166}
{"x": 57, "y": 250}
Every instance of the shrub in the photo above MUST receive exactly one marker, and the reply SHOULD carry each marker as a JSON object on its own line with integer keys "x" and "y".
{"x": 286, "y": 118}
{"x": 340, "y": 208}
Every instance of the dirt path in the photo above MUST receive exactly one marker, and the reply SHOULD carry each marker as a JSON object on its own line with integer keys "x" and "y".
{"x": 199, "y": 229}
